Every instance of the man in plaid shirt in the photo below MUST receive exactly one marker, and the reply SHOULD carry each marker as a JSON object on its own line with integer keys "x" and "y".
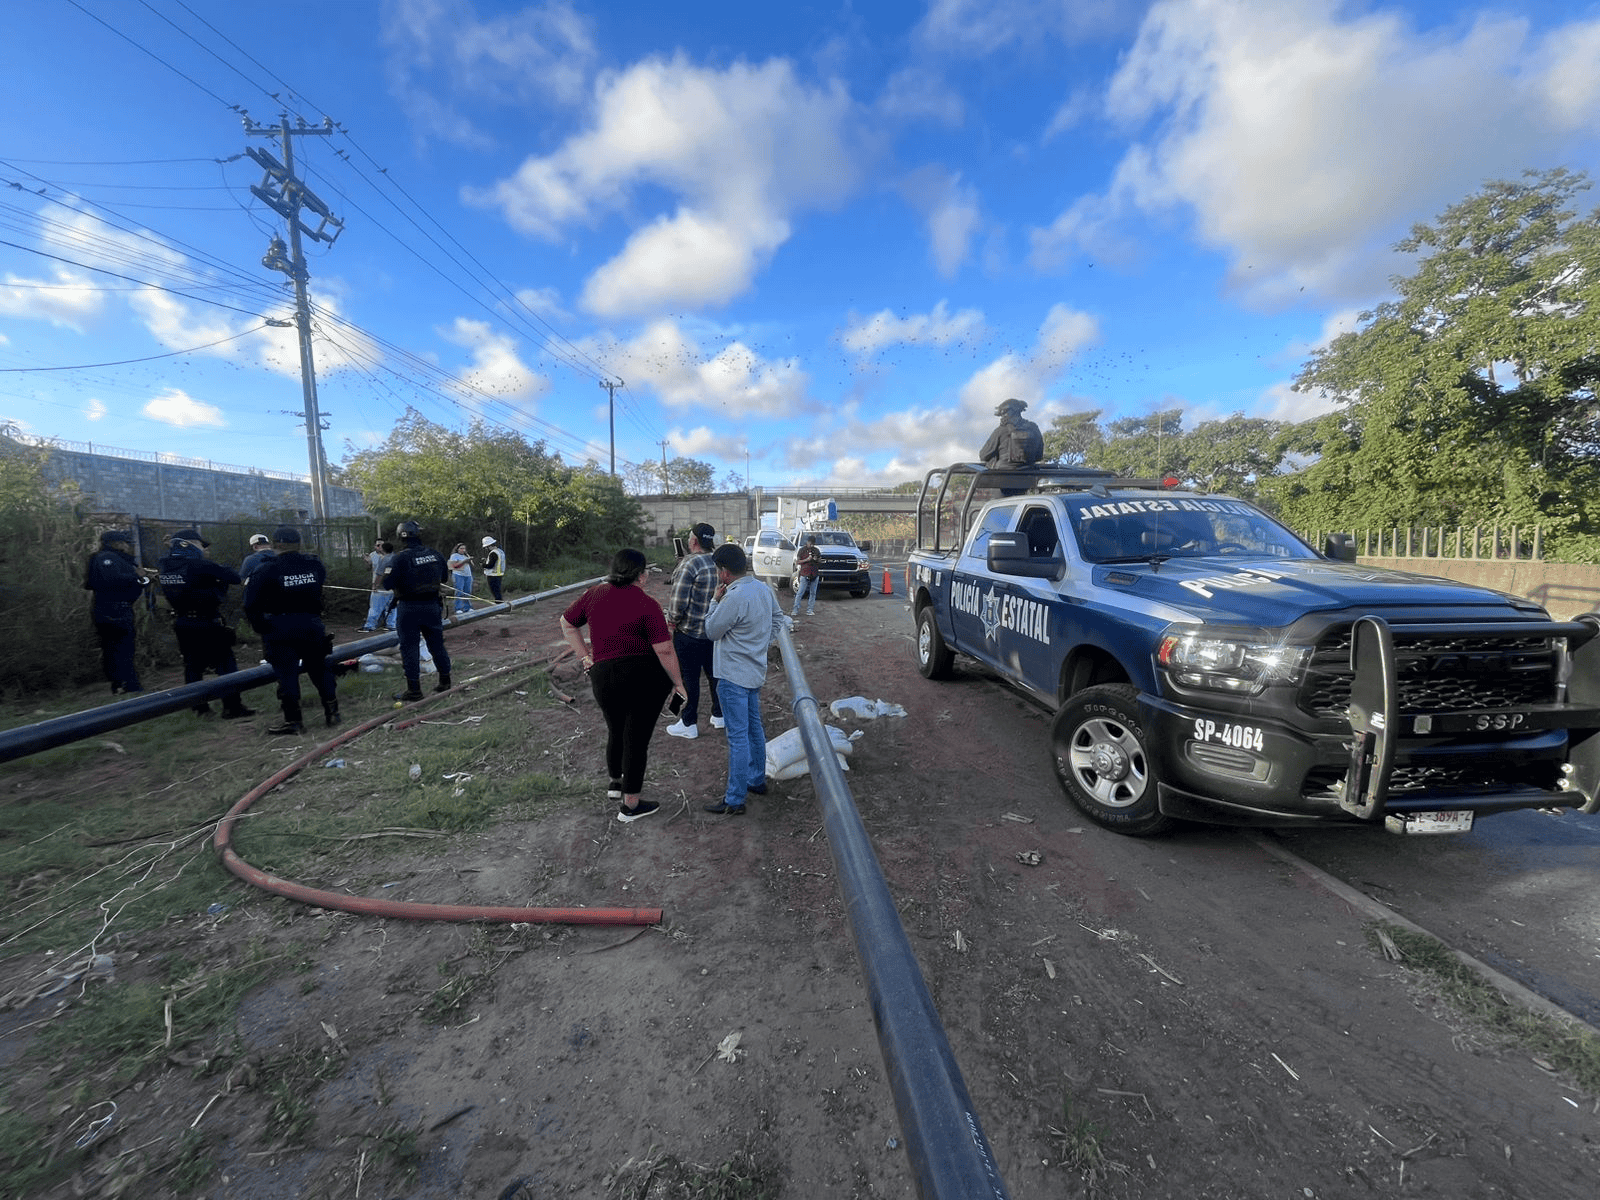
{"x": 692, "y": 589}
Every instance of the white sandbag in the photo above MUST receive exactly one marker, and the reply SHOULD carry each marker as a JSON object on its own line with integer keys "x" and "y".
{"x": 802, "y": 766}
{"x": 866, "y": 710}
{"x": 786, "y": 753}
{"x": 854, "y": 706}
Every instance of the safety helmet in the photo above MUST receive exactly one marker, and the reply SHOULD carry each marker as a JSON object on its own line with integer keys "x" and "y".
{"x": 487, "y": 542}
{"x": 408, "y": 530}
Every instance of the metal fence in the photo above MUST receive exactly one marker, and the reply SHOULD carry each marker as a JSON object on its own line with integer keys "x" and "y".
{"x": 1516, "y": 543}
{"x": 348, "y": 538}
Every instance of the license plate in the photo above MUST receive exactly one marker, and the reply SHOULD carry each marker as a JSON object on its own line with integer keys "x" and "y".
{"x": 1430, "y": 822}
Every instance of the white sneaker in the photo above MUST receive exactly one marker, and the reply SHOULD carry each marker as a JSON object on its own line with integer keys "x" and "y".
{"x": 679, "y": 729}
{"x": 718, "y": 723}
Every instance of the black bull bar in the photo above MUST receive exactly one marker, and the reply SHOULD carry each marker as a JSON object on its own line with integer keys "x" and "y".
{"x": 1378, "y": 722}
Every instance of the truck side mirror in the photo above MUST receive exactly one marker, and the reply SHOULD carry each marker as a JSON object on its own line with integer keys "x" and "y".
{"x": 1341, "y": 547}
{"x": 1008, "y": 555}
{"x": 866, "y": 547}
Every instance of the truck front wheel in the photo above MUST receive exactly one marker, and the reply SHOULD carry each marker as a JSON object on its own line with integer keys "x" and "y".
{"x": 934, "y": 658}
{"x": 1099, "y": 747}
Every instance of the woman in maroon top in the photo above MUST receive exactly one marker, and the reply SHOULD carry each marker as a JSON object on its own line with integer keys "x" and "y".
{"x": 632, "y": 669}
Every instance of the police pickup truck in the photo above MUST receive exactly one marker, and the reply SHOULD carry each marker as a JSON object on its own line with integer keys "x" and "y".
{"x": 1205, "y": 664}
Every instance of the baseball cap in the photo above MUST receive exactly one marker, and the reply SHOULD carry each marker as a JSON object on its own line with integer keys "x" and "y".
{"x": 286, "y": 534}
{"x": 189, "y": 535}
{"x": 259, "y": 539}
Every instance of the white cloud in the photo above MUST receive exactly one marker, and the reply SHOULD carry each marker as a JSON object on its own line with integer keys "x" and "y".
{"x": 735, "y": 380}
{"x": 1304, "y": 139}
{"x": 95, "y": 409}
{"x": 737, "y": 151}
{"x": 980, "y": 28}
{"x": 174, "y": 406}
{"x": 67, "y": 299}
{"x": 1570, "y": 84}
{"x": 950, "y": 211}
{"x": 1281, "y": 402}
{"x": 497, "y": 372}
{"x": 927, "y": 436}
{"x": 440, "y": 50}
{"x": 917, "y": 93}
{"x": 698, "y": 441}
{"x": 938, "y": 327}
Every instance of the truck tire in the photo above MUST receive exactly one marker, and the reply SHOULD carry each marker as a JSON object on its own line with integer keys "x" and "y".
{"x": 858, "y": 593}
{"x": 1100, "y": 750}
{"x": 934, "y": 659}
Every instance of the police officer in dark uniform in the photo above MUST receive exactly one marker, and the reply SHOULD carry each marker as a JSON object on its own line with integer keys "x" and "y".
{"x": 415, "y": 574}
{"x": 116, "y": 581}
{"x": 195, "y": 587}
{"x": 1016, "y": 441}
{"x": 283, "y": 603}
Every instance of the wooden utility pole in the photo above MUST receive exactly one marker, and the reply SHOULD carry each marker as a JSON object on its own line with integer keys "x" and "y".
{"x": 286, "y": 195}
{"x": 611, "y": 394}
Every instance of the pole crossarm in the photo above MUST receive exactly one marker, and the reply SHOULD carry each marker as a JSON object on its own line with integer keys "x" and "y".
{"x": 288, "y": 196}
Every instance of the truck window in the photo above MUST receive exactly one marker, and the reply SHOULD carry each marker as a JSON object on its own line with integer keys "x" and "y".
{"x": 1040, "y": 526}
{"x": 996, "y": 520}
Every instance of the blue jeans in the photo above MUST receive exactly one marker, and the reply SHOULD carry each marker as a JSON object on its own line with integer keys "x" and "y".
{"x": 807, "y": 589}
{"x": 747, "y": 739}
{"x": 463, "y": 585}
{"x": 375, "y": 607}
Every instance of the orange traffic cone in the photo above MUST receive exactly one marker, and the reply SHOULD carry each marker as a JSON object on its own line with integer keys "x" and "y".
{"x": 888, "y": 583}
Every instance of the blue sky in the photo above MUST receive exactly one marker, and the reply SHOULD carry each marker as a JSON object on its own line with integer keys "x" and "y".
{"x": 816, "y": 241}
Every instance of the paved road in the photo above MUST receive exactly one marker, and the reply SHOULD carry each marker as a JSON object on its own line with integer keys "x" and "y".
{"x": 1521, "y": 892}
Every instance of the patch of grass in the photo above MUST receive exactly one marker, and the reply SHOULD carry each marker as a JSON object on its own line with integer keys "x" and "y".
{"x": 126, "y": 1024}
{"x": 1077, "y": 1143}
{"x": 290, "y": 1079}
{"x": 470, "y": 774}
{"x": 1565, "y": 1048}
{"x": 450, "y": 999}
{"x": 194, "y": 1163}
{"x": 399, "y": 1148}
{"x": 746, "y": 1175}
{"x": 28, "y": 1161}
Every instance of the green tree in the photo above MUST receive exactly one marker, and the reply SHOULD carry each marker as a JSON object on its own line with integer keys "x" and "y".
{"x": 1238, "y": 454}
{"x": 461, "y": 484}
{"x": 1470, "y": 396}
{"x": 679, "y": 477}
{"x": 1148, "y": 446}
{"x": 1072, "y": 438}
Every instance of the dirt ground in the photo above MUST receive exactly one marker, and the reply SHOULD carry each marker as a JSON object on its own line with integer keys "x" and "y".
{"x": 1183, "y": 1017}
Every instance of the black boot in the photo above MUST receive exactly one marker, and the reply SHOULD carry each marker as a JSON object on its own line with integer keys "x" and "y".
{"x": 330, "y": 712}
{"x": 233, "y": 708}
{"x": 444, "y": 682}
{"x": 202, "y": 710}
{"x": 291, "y": 720}
{"x": 412, "y": 693}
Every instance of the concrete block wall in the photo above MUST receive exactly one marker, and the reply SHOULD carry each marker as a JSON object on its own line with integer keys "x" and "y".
{"x": 164, "y": 491}
{"x": 1563, "y": 589}
{"x": 731, "y": 514}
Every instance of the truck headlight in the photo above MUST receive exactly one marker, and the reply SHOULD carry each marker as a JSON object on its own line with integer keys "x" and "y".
{"x": 1234, "y": 660}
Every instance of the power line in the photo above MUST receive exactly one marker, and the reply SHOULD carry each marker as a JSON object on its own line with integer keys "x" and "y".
{"x": 126, "y": 361}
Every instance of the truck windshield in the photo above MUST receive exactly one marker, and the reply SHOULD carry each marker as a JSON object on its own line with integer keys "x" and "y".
{"x": 1133, "y": 529}
{"x": 832, "y": 537}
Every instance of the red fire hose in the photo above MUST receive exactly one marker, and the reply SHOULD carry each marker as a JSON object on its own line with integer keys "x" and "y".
{"x": 222, "y": 842}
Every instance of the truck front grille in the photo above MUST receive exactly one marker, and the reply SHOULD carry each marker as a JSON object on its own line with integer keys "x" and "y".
{"x": 1460, "y": 672}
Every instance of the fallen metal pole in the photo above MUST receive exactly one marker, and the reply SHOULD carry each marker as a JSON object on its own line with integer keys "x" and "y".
{"x": 58, "y": 731}
{"x": 949, "y": 1154}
